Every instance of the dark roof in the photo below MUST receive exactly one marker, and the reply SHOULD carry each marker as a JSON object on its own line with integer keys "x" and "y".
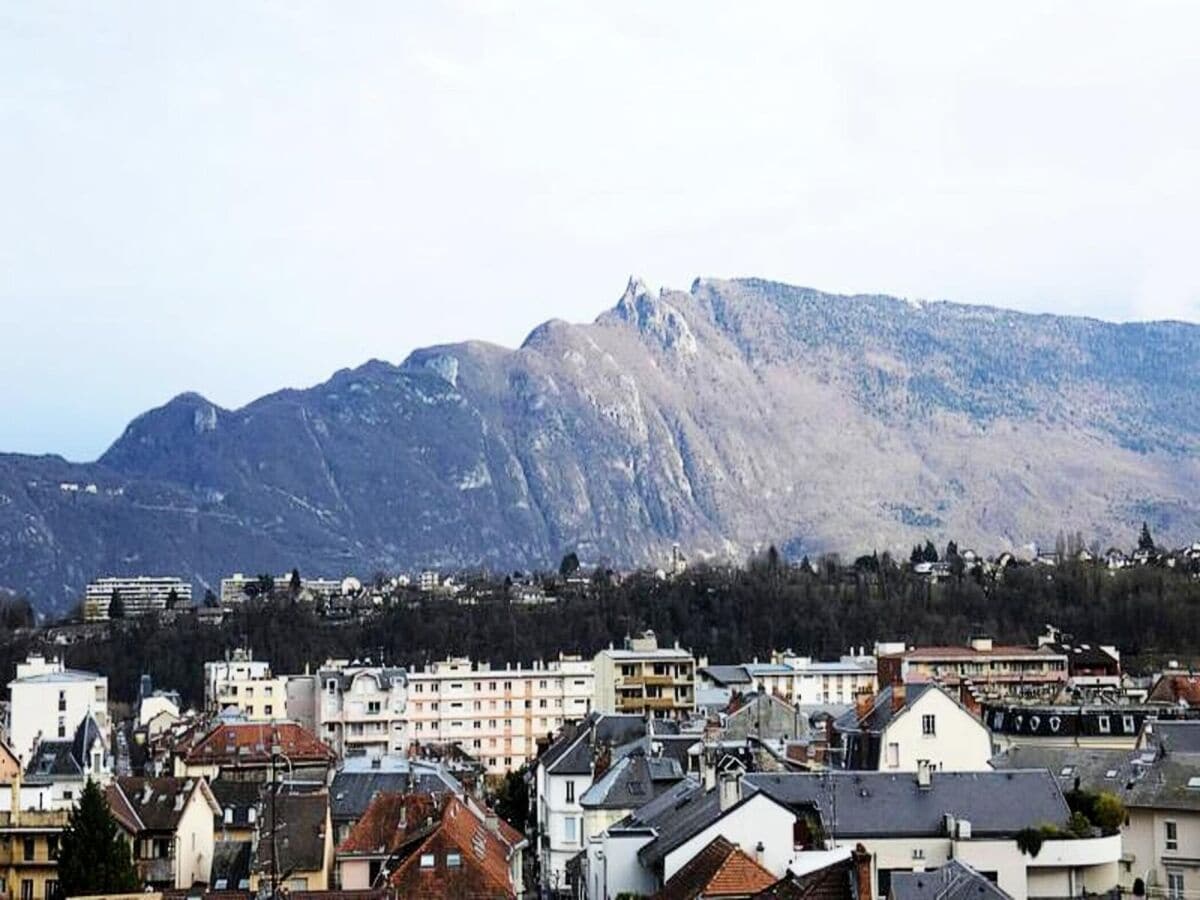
{"x": 1088, "y": 768}
{"x": 239, "y": 796}
{"x": 54, "y": 759}
{"x": 158, "y": 803}
{"x": 575, "y": 751}
{"x": 878, "y": 804}
{"x": 881, "y": 713}
{"x": 679, "y": 822}
{"x": 231, "y": 865}
{"x": 1171, "y": 782}
{"x": 727, "y": 676}
{"x": 352, "y": 792}
{"x": 345, "y": 677}
{"x": 833, "y": 882}
{"x": 251, "y": 743}
{"x": 1174, "y": 736}
{"x": 86, "y": 735}
{"x": 631, "y": 781}
{"x": 952, "y": 881}
{"x": 300, "y": 834}
{"x": 721, "y": 869}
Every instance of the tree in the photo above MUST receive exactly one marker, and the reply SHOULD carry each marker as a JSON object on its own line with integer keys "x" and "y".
{"x": 294, "y": 582}
{"x": 1145, "y": 541}
{"x": 210, "y": 599}
{"x": 569, "y": 565}
{"x": 93, "y": 855}
{"x": 116, "y": 606}
{"x": 512, "y": 799}
{"x": 930, "y": 553}
{"x": 1108, "y": 812}
{"x": 266, "y": 586}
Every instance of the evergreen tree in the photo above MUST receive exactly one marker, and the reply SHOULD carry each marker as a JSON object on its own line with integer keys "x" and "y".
{"x": 116, "y": 606}
{"x": 569, "y": 565}
{"x": 1145, "y": 541}
{"x": 294, "y": 582}
{"x": 93, "y": 856}
{"x": 930, "y": 554}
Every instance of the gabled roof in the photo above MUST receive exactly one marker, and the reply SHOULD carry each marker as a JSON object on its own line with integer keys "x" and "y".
{"x": 727, "y": 676}
{"x": 300, "y": 832}
{"x": 239, "y": 797}
{"x": 1181, "y": 736}
{"x": 1092, "y": 769}
{"x": 575, "y": 751}
{"x": 883, "y": 709}
{"x": 1171, "y": 782}
{"x": 832, "y": 882}
{"x": 391, "y": 821}
{"x": 631, "y": 781}
{"x": 882, "y": 804}
{"x": 721, "y": 869}
{"x": 954, "y": 880}
{"x": 251, "y": 743}
{"x": 156, "y": 804}
{"x": 1176, "y": 689}
{"x": 482, "y": 869}
{"x": 53, "y": 759}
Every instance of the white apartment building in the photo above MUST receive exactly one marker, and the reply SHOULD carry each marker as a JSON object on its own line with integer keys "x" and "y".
{"x": 805, "y": 681}
{"x": 49, "y": 701}
{"x": 643, "y": 678}
{"x": 140, "y": 595}
{"x": 233, "y": 588}
{"x": 245, "y": 684}
{"x": 360, "y": 708}
{"x": 496, "y": 714}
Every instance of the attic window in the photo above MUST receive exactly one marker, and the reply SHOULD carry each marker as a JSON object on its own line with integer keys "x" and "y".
{"x": 427, "y": 860}
{"x": 1066, "y": 770}
{"x": 1111, "y": 773}
{"x": 1194, "y": 783}
{"x": 453, "y": 860}
{"x": 1105, "y": 725}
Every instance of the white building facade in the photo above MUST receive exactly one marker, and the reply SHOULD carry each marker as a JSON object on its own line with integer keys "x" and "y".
{"x": 49, "y": 701}
{"x": 360, "y": 709}
{"x": 140, "y": 595}
{"x": 244, "y": 684}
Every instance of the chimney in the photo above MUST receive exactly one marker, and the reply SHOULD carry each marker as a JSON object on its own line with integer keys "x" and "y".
{"x": 729, "y": 784}
{"x": 924, "y": 774}
{"x": 759, "y": 850}
{"x": 493, "y": 822}
{"x": 863, "y": 701}
{"x": 899, "y": 696}
{"x": 862, "y": 872}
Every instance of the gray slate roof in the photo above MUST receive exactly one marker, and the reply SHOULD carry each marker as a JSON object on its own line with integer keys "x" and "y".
{"x": 881, "y": 713}
{"x": 1174, "y": 736}
{"x": 1168, "y": 784}
{"x": 631, "y": 781}
{"x": 1092, "y": 769}
{"x": 881, "y": 804}
{"x": 953, "y": 881}
{"x": 575, "y": 751}
{"x": 727, "y": 676}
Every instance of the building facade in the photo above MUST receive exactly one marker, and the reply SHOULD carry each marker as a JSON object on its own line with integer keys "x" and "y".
{"x": 140, "y": 595}
{"x": 643, "y": 678}
{"x": 496, "y": 715}
{"x": 244, "y": 684}
{"x": 361, "y": 709}
{"x": 49, "y": 701}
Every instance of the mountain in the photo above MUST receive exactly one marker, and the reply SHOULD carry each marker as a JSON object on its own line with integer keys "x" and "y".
{"x": 722, "y": 418}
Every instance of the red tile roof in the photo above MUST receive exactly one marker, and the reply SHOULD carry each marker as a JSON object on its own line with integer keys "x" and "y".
{"x": 390, "y": 821}
{"x": 721, "y": 869}
{"x": 250, "y": 744}
{"x": 1174, "y": 688}
{"x": 482, "y": 872}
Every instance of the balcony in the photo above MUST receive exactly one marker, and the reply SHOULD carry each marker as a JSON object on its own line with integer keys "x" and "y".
{"x": 1082, "y": 852}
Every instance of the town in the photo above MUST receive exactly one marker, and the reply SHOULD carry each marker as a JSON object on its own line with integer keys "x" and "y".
{"x": 1044, "y": 768}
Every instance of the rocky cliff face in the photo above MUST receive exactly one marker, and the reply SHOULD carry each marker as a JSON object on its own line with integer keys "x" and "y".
{"x": 722, "y": 418}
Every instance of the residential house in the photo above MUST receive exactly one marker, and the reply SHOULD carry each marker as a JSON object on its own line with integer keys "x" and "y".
{"x": 644, "y": 679}
{"x": 848, "y": 877}
{"x": 293, "y": 848}
{"x": 721, "y": 870}
{"x": 906, "y": 726}
{"x": 359, "y": 779}
{"x": 245, "y": 684}
{"x": 62, "y": 768}
{"x": 1099, "y": 725}
{"x": 631, "y": 781}
{"x": 169, "y": 823}
{"x": 29, "y": 841}
{"x": 912, "y": 823}
{"x": 48, "y": 701}
{"x": 257, "y": 752}
{"x": 562, "y": 774}
{"x": 806, "y": 681}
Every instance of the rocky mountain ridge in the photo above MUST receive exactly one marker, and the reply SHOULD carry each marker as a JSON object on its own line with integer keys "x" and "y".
{"x": 723, "y": 417}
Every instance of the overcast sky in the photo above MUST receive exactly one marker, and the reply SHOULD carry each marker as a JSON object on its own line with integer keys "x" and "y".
{"x": 236, "y": 197}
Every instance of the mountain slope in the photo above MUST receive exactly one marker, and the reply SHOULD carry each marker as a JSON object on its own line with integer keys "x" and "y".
{"x": 735, "y": 413}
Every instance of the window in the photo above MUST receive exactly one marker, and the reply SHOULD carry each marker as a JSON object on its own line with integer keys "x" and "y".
{"x": 26, "y": 889}
{"x": 30, "y": 849}
{"x": 1172, "y": 835}
{"x": 228, "y": 815}
{"x": 1105, "y": 724}
{"x": 928, "y": 725}
{"x": 453, "y": 860}
{"x": 1127, "y": 722}
{"x": 1175, "y": 885}
{"x": 893, "y": 755}
{"x": 62, "y": 701}
{"x": 569, "y": 830}
{"x": 52, "y": 889}
{"x": 62, "y": 727}
{"x": 427, "y": 860}
{"x": 251, "y": 815}
{"x": 373, "y": 707}
{"x": 268, "y": 709}
{"x": 570, "y": 791}
{"x": 331, "y": 686}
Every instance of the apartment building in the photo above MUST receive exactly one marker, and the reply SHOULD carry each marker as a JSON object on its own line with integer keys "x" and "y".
{"x": 29, "y": 841}
{"x": 642, "y": 677}
{"x": 245, "y": 685}
{"x": 361, "y": 708}
{"x": 993, "y": 670}
{"x": 140, "y": 595}
{"x": 805, "y": 681}
{"x": 494, "y": 714}
{"x": 234, "y": 588}
{"x": 48, "y": 702}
